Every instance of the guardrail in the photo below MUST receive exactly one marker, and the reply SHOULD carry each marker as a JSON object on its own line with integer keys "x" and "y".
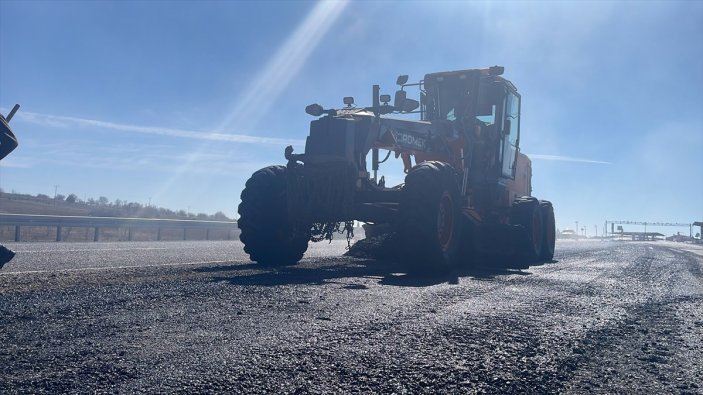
{"x": 59, "y": 222}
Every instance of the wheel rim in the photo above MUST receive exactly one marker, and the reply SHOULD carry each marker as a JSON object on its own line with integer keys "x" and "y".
{"x": 445, "y": 221}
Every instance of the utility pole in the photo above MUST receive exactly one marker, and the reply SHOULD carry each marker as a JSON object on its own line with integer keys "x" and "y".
{"x": 577, "y": 230}
{"x": 149, "y": 205}
{"x": 596, "y": 226}
{"x": 56, "y": 189}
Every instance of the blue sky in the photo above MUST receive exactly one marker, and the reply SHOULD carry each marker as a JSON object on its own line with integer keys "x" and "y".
{"x": 181, "y": 101}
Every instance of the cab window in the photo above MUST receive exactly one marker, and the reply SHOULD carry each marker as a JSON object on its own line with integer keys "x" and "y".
{"x": 512, "y": 130}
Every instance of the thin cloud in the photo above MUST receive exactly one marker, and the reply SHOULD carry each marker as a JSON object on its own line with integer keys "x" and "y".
{"x": 17, "y": 164}
{"x": 131, "y": 157}
{"x": 163, "y": 163}
{"x": 57, "y": 121}
{"x": 566, "y": 159}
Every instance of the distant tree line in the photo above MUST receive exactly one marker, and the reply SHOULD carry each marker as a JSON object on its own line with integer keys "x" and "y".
{"x": 103, "y": 207}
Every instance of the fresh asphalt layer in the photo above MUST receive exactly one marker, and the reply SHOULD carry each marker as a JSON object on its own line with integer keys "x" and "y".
{"x": 194, "y": 317}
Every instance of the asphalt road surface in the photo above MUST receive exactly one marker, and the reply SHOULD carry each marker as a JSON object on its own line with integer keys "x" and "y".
{"x": 198, "y": 317}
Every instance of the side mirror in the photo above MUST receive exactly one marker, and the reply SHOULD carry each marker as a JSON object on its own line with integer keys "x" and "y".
{"x": 403, "y": 104}
{"x": 314, "y": 110}
{"x": 402, "y": 79}
{"x": 410, "y": 105}
{"x": 399, "y": 99}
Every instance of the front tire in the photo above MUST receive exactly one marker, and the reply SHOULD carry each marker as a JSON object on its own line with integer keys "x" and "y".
{"x": 549, "y": 230}
{"x": 430, "y": 217}
{"x": 526, "y": 213}
{"x": 268, "y": 237}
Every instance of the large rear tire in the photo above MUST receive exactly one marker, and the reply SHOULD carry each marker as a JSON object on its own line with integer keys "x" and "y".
{"x": 268, "y": 237}
{"x": 549, "y": 230}
{"x": 526, "y": 213}
{"x": 429, "y": 221}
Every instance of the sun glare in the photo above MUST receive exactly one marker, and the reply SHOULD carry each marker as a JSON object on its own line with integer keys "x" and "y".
{"x": 260, "y": 95}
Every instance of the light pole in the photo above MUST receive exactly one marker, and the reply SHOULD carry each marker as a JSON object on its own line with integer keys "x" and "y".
{"x": 577, "y": 230}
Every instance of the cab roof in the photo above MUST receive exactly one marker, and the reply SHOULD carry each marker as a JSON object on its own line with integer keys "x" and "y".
{"x": 494, "y": 71}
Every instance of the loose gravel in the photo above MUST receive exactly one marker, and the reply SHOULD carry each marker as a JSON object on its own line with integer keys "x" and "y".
{"x": 604, "y": 317}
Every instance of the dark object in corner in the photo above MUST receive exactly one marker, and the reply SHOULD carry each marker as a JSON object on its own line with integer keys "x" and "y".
{"x": 8, "y": 142}
{"x": 5, "y": 255}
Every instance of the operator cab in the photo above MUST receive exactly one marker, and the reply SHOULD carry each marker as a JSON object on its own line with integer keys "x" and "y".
{"x": 479, "y": 100}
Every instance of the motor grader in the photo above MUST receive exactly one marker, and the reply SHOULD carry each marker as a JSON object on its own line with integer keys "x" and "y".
{"x": 467, "y": 187}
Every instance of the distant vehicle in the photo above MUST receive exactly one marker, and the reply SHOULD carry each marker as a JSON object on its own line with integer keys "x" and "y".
{"x": 568, "y": 234}
{"x": 469, "y": 187}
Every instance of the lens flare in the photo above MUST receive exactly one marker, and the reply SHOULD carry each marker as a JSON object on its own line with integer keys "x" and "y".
{"x": 262, "y": 93}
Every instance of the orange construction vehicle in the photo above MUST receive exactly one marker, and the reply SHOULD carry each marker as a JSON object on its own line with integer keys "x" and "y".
{"x": 467, "y": 186}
